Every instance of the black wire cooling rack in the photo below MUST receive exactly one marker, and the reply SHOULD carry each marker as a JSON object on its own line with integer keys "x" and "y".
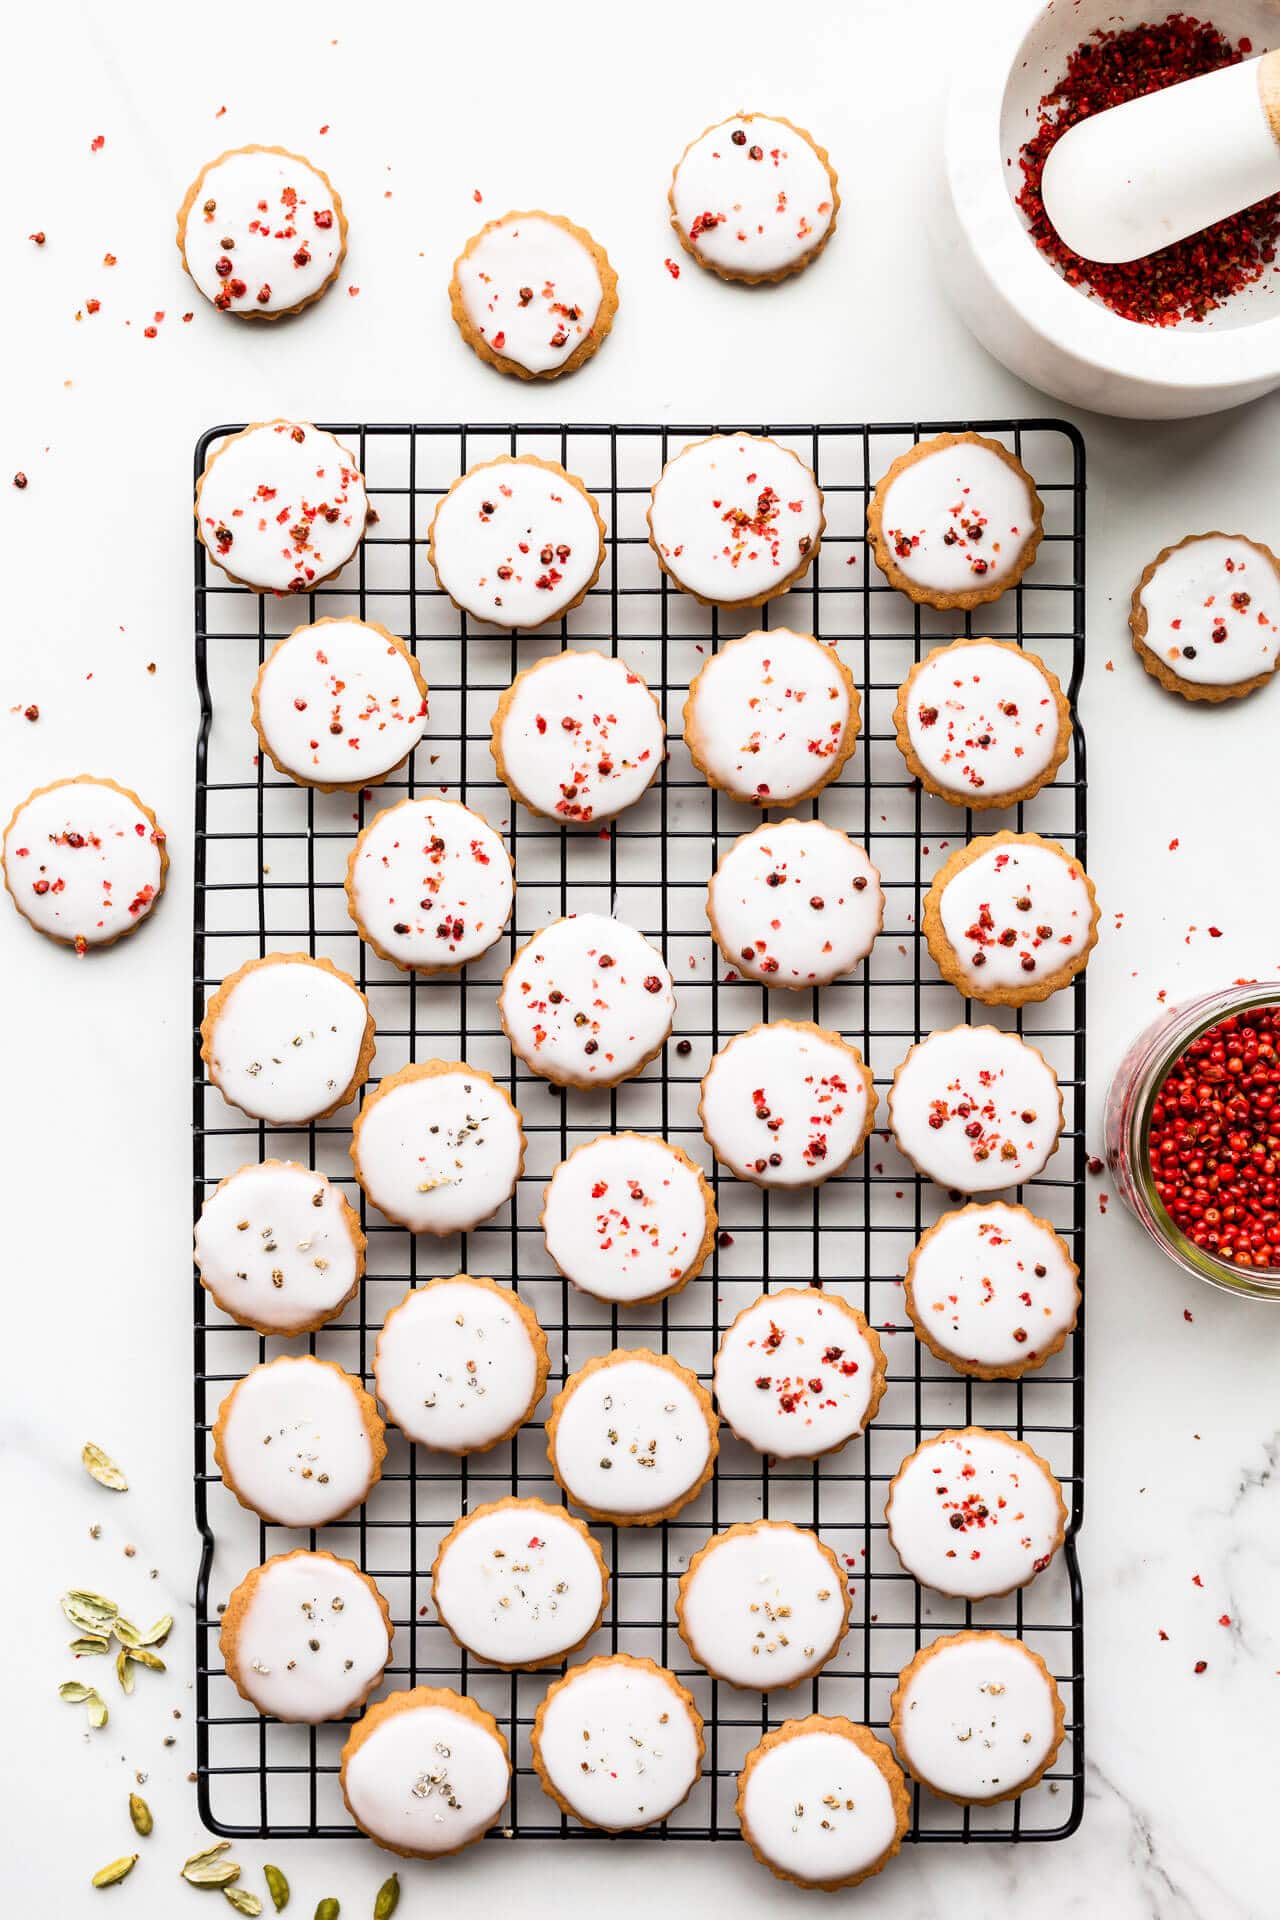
{"x": 269, "y": 863}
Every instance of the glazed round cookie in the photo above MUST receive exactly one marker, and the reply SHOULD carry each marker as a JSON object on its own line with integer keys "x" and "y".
{"x": 772, "y": 718}
{"x": 632, "y": 1437}
{"x": 974, "y": 1513}
{"x": 991, "y": 1290}
{"x": 1205, "y": 614}
{"x": 438, "y": 1147}
{"x": 281, "y": 506}
{"x": 299, "y": 1442}
{"x": 787, "y": 1104}
{"x": 763, "y": 1604}
{"x": 798, "y": 1373}
{"x": 956, "y": 521}
{"x": 982, "y": 723}
{"x": 795, "y": 904}
{"x": 339, "y": 704}
{"x": 578, "y": 737}
{"x": 425, "y": 1772}
{"x": 278, "y": 1248}
{"x": 288, "y": 1038}
{"x": 618, "y": 1743}
{"x": 533, "y": 295}
{"x": 977, "y": 1718}
{"x": 1010, "y": 918}
{"x": 735, "y": 520}
{"x": 460, "y": 1364}
{"x": 587, "y": 1001}
{"x": 754, "y": 198}
{"x": 306, "y": 1637}
{"x": 84, "y": 861}
{"x": 976, "y": 1108}
{"x": 629, "y": 1218}
{"x": 822, "y": 1802}
{"x": 430, "y": 885}
{"x": 262, "y": 232}
{"x": 516, "y": 541}
{"x": 519, "y": 1584}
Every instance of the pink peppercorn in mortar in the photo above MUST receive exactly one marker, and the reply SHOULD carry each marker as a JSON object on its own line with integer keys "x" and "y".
{"x": 262, "y": 232}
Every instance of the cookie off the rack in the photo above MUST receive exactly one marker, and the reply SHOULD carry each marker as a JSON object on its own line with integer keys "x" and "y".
{"x": 787, "y": 1104}
{"x": 736, "y": 519}
{"x": 262, "y": 232}
{"x": 955, "y": 522}
{"x": 1205, "y": 616}
{"x": 617, "y": 1743}
{"x": 460, "y": 1364}
{"x": 632, "y": 1437}
{"x": 299, "y": 1442}
{"x": 982, "y": 723}
{"x": 84, "y": 861}
{"x": 430, "y": 885}
{"x": 578, "y": 737}
{"x": 763, "y": 1604}
{"x": 288, "y": 1038}
{"x": 425, "y": 1772}
{"x": 533, "y": 295}
{"x": 281, "y": 506}
{"x": 772, "y": 717}
{"x": 278, "y": 1248}
{"x": 754, "y": 198}
{"x": 519, "y": 1584}
{"x": 975, "y": 1513}
{"x": 992, "y": 1290}
{"x": 822, "y": 1802}
{"x": 438, "y": 1147}
{"x": 1010, "y": 918}
{"x": 587, "y": 1001}
{"x": 516, "y": 541}
{"x": 977, "y": 1717}
{"x": 306, "y": 1637}
{"x": 339, "y": 704}
{"x": 629, "y": 1218}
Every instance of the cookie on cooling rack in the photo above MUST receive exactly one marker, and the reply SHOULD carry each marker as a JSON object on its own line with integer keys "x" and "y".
{"x": 306, "y": 1637}
{"x": 460, "y": 1364}
{"x": 84, "y": 861}
{"x": 299, "y": 1442}
{"x": 587, "y": 1001}
{"x": 799, "y": 1373}
{"x": 430, "y": 885}
{"x": 772, "y": 718}
{"x": 754, "y": 198}
{"x": 822, "y": 1802}
{"x": 281, "y": 506}
{"x": 632, "y": 1437}
{"x": 955, "y": 522}
{"x": 425, "y": 1772}
{"x": 288, "y": 1038}
{"x": 517, "y": 541}
{"x": 976, "y": 1108}
{"x": 982, "y": 723}
{"x": 533, "y": 295}
{"x": 618, "y": 1743}
{"x": 977, "y": 1718}
{"x": 763, "y": 1604}
{"x": 629, "y": 1218}
{"x": 339, "y": 704}
{"x": 1010, "y": 918}
{"x": 992, "y": 1290}
{"x": 519, "y": 1584}
{"x": 262, "y": 232}
{"x": 795, "y": 904}
{"x": 278, "y": 1248}
{"x": 975, "y": 1513}
{"x": 735, "y": 519}
{"x": 787, "y": 1104}
{"x": 438, "y": 1147}
{"x": 1205, "y": 616}
{"x": 578, "y": 737}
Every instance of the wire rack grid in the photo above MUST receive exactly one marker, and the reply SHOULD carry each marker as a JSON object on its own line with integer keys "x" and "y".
{"x": 269, "y": 863}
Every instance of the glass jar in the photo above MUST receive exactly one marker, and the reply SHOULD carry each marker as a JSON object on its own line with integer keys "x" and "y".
{"x": 1127, "y": 1125}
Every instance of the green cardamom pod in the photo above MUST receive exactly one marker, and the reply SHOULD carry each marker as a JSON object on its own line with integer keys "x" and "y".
{"x": 124, "y": 1672}
{"x": 388, "y": 1898}
{"x": 140, "y": 1814}
{"x": 117, "y": 1871}
{"x": 103, "y": 1468}
{"x": 277, "y": 1887}
{"x": 89, "y": 1611}
{"x": 97, "y": 1710}
{"x": 145, "y": 1658}
{"x": 206, "y": 1855}
{"x": 74, "y": 1692}
{"x": 157, "y": 1635}
{"x": 89, "y": 1643}
{"x": 242, "y": 1901}
{"x": 218, "y": 1873}
{"x": 327, "y": 1910}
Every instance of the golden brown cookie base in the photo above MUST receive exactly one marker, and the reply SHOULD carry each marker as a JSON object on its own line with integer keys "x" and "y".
{"x": 406, "y": 1702}
{"x": 944, "y": 954}
{"x": 866, "y": 1742}
{"x": 261, "y": 313}
{"x": 350, "y": 1220}
{"x": 213, "y": 1012}
{"x": 537, "y": 1340}
{"x": 974, "y": 1369}
{"x": 600, "y": 326}
{"x": 291, "y": 773}
{"x": 703, "y": 1253}
{"x": 499, "y": 721}
{"x": 795, "y": 266}
{"x": 280, "y": 593}
{"x": 91, "y": 780}
{"x": 349, "y": 887}
{"x": 548, "y": 466}
{"x": 1161, "y": 670}
{"x": 899, "y": 1694}
{"x": 536, "y": 1509}
{"x": 426, "y": 1070}
{"x": 641, "y": 1664}
{"x": 864, "y": 1328}
{"x": 979, "y": 802}
{"x": 736, "y": 1532}
{"x": 985, "y": 1193}
{"x": 998, "y": 1433}
{"x": 779, "y": 587}
{"x": 838, "y": 1166}
{"x": 369, "y": 1415}
{"x": 238, "y": 1605}
{"x": 689, "y": 1380}
{"x": 969, "y": 597}
{"x": 834, "y": 767}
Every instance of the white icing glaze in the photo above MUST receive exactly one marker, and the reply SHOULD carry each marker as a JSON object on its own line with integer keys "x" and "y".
{"x": 794, "y": 1374}
{"x": 768, "y": 714}
{"x": 795, "y": 903}
{"x": 957, "y": 519}
{"x": 274, "y": 1246}
{"x": 619, "y": 1743}
{"x": 338, "y": 704}
{"x": 439, "y": 1152}
{"x": 752, "y": 197}
{"x": 83, "y": 862}
{"x": 976, "y": 1108}
{"x": 982, "y": 720}
{"x": 287, "y": 1040}
{"x": 972, "y": 1514}
{"x": 428, "y": 1779}
{"x": 455, "y": 1365}
{"x": 515, "y": 542}
{"x": 1017, "y": 914}
{"x": 781, "y": 1093}
{"x": 295, "y": 1442}
{"x": 282, "y": 506}
{"x": 625, "y": 1217}
{"x": 977, "y": 1718}
{"x": 614, "y": 1007}
{"x": 582, "y": 737}
{"x": 431, "y": 884}
{"x": 763, "y": 1608}
{"x": 735, "y": 518}
{"x": 283, "y": 227}
{"x": 1212, "y": 610}
{"x": 818, "y": 1807}
{"x": 518, "y": 1585}
{"x": 531, "y": 289}
{"x": 993, "y": 1285}
{"x": 313, "y": 1638}
{"x": 631, "y": 1438}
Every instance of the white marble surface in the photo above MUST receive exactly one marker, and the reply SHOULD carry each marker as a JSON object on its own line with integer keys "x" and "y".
{"x": 427, "y": 104}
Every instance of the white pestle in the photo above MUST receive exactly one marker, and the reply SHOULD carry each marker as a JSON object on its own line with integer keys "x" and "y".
{"x": 1141, "y": 176}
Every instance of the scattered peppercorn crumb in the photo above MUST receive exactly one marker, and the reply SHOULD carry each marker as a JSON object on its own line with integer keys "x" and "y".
{"x": 98, "y": 142}
{"x": 20, "y": 481}
{"x": 1224, "y": 1619}
{"x": 1162, "y": 1633}
{"x": 1173, "y": 846}
{"x": 38, "y": 238}
{"x": 672, "y": 267}
{"x": 353, "y": 291}
{"x": 476, "y": 195}
{"x": 1201, "y": 1666}
{"x": 31, "y": 713}
{"x": 1215, "y": 933}
{"x": 1187, "y": 1315}
{"x": 1094, "y": 1164}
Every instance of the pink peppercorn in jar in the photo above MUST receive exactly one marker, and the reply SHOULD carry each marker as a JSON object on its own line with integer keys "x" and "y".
{"x": 1193, "y": 1136}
